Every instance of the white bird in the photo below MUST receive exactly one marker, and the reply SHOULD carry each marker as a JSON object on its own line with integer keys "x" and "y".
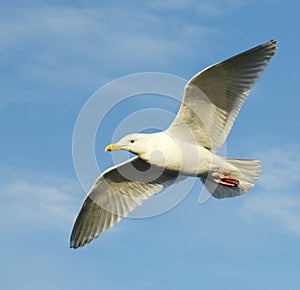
{"x": 212, "y": 99}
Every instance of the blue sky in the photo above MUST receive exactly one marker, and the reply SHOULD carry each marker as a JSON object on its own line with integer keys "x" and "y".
{"x": 54, "y": 56}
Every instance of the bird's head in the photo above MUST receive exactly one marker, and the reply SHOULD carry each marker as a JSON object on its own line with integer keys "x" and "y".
{"x": 135, "y": 143}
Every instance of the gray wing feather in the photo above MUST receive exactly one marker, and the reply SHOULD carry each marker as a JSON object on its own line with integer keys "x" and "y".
{"x": 213, "y": 97}
{"x": 115, "y": 193}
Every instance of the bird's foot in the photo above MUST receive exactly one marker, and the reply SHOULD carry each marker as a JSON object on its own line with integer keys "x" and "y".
{"x": 227, "y": 180}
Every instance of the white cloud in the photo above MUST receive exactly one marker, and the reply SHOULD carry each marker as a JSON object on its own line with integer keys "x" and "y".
{"x": 41, "y": 200}
{"x": 280, "y": 168}
{"x": 220, "y": 7}
{"x": 283, "y": 210}
{"x": 54, "y": 52}
{"x": 57, "y": 48}
{"x": 277, "y": 198}
{"x": 204, "y": 8}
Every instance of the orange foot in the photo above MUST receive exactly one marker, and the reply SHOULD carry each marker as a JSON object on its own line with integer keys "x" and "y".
{"x": 227, "y": 180}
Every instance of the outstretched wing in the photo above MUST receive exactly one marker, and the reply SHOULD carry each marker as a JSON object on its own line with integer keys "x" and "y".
{"x": 213, "y": 97}
{"x": 115, "y": 193}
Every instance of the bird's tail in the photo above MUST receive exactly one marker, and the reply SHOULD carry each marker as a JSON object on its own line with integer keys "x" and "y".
{"x": 238, "y": 176}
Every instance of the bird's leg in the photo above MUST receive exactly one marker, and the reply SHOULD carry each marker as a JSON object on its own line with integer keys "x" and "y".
{"x": 227, "y": 180}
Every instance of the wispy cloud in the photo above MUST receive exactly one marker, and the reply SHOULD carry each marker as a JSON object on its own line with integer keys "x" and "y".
{"x": 40, "y": 200}
{"x": 282, "y": 209}
{"x": 205, "y": 8}
{"x": 278, "y": 197}
{"x": 54, "y": 52}
{"x": 280, "y": 168}
{"x": 50, "y": 48}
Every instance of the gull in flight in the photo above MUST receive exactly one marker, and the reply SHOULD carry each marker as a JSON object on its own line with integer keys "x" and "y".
{"x": 211, "y": 102}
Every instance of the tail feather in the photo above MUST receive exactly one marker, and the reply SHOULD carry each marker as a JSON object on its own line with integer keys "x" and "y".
{"x": 245, "y": 170}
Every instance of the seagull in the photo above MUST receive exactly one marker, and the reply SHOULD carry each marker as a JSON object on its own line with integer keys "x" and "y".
{"x": 211, "y": 102}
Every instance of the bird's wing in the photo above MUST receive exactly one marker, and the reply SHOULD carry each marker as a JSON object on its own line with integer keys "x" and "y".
{"x": 115, "y": 193}
{"x": 213, "y": 97}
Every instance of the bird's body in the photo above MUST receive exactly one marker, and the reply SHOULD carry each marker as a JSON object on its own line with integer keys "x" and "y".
{"x": 163, "y": 150}
{"x": 168, "y": 152}
{"x": 212, "y": 100}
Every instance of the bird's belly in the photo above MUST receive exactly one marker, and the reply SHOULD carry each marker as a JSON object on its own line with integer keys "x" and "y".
{"x": 195, "y": 161}
{"x": 188, "y": 159}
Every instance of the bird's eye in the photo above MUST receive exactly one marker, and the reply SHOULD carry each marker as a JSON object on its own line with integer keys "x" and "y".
{"x": 131, "y": 141}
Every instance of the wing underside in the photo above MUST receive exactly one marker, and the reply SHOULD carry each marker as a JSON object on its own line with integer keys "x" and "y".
{"x": 115, "y": 193}
{"x": 213, "y": 97}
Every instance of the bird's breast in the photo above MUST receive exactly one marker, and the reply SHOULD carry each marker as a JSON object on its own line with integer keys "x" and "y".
{"x": 188, "y": 159}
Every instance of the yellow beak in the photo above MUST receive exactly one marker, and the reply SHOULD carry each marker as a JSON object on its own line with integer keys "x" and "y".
{"x": 112, "y": 147}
